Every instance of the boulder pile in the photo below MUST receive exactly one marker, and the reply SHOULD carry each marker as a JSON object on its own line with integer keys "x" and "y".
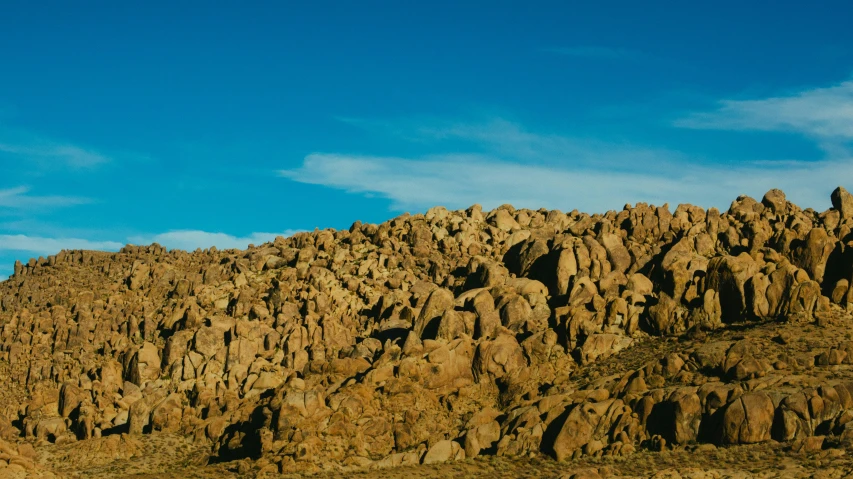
{"x": 441, "y": 336}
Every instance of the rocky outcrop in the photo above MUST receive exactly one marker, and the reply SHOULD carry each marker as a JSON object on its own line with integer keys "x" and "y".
{"x": 441, "y": 336}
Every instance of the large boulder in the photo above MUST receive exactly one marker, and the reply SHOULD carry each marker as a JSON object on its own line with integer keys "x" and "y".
{"x": 70, "y": 397}
{"x": 209, "y": 340}
{"x": 813, "y": 253}
{"x": 481, "y": 437}
{"x": 444, "y": 451}
{"x": 747, "y": 420}
{"x": 166, "y": 415}
{"x": 793, "y": 418}
{"x": 617, "y": 253}
{"x": 728, "y": 276}
{"x": 427, "y": 322}
{"x": 503, "y": 220}
{"x": 144, "y": 365}
{"x": 680, "y": 264}
{"x": 566, "y": 269}
{"x": 586, "y": 423}
{"x": 843, "y": 202}
{"x": 667, "y": 316}
{"x": 678, "y": 417}
{"x": 776, "y": 201}
{"x": 497, "y": 358}
{"x": 138, "y": 417}
{"x": 602, "y": 345}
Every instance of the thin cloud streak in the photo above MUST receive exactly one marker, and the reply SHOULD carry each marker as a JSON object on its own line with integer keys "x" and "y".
{"x": 501, "y": 138}
{"x": 45, "y": 150}
{"x": 18, "y": 198}
{"x": 458, "y": 181}
{"x": 179, "y": 239}
{"x": 499, "y": 161}
{"x": 189, "y": 240}
{"x": 825, "y": 114}
{"x": 506, "y": 139}
{"x": 46, "y": 246}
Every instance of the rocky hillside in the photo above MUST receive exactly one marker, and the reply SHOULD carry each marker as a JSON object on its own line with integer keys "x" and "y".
{"x": 444, "y": 336}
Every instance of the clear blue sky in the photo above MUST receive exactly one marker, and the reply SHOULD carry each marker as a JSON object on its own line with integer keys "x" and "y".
{"x": 193, "y": 125}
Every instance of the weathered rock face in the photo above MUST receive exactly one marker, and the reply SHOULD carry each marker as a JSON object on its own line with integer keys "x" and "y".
{"x": 842, "y": 201}
{"x": 814, "y": 252}
{"x": 748, "y": 419}
{"x": 684, "y": 408}
{"x": 728, "y": 276}
{"x": 440, "y": 336}
{"x": 144, "y": 365}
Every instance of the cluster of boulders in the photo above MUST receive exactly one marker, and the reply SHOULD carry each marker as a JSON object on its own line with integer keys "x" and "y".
{"x": 436, "y": 336}
{"x": 17, "y": 460}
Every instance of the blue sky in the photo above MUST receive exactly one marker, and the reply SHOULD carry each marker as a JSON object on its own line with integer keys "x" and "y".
{"x": 193, "y": 125}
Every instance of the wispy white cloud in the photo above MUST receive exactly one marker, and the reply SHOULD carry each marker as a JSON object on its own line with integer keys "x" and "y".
{"x": 24, "y": 246}
{"x": 593, "y": 51}
{"x": 500, "y": 162}
{"x": 19, "y": 198}
{"x": 42, "y": 150}
{"x": 509, "y": 140}
{"x": 460, "y": 181}
{"x": 45, "y": 246}
{"x": 510, "y": 164}
{"x": 825, "y": 114}
{"x": 190, "y": 240}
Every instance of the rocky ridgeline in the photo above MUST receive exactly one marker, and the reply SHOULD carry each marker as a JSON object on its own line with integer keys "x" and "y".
{"x": 437, "y": 337}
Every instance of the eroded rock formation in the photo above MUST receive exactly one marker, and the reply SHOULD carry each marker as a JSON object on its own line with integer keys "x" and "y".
{"x": 441, "y": 336}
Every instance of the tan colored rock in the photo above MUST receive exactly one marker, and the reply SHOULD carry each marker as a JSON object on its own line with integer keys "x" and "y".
{"x": 585, "y": 423}
{"x": 70, "y": 397}
{"x": 144, "y": 365}
{"x": 600, "y": 346}
{"x": 166, "y": 415}
{"x": 138, "y": 417}
{"x": 666, "y": 317}
{"x": 814, "y": 253}
{"x": 481, "y": 437}
{"x": 617, "y": 253}
{"x": 686, "y": 416}
{"x": 843, "y": 202}
{"x": 515, "y": 312}
{"x": 728, "y": 276}
{"x": 640, "y": 284}
{"x": 444, "y": 451}
{"x": 567, "y": 268}
{"x": 426, "y": 325}
{"x": 776, "y": 201}
{"x": 209, "y": 340}
{"x": 433, "y": 337}
{"x": 502, "y": 220}
{"x": 497, "y": 358}
{"x": 680, "y": 264}
{"x": 747, "y": 420}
